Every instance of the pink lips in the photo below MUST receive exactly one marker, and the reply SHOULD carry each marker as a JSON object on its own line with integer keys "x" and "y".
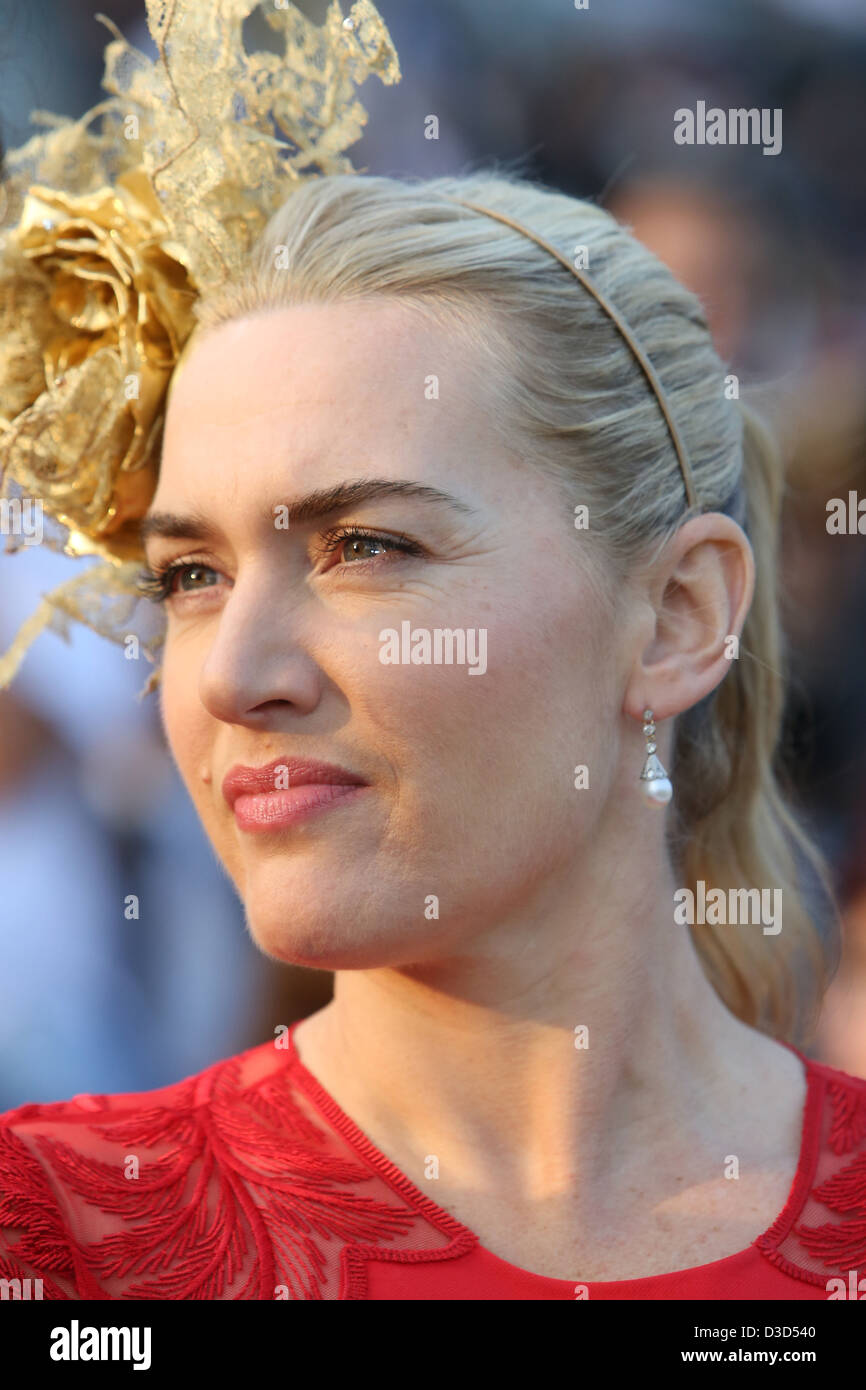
{"x": 286, "y": 791}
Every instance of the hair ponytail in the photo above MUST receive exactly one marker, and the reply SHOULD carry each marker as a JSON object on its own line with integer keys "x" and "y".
{"x": 734, "y": 826}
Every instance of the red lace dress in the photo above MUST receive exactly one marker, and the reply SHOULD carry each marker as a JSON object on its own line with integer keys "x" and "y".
{"x": 248, "y": 1182}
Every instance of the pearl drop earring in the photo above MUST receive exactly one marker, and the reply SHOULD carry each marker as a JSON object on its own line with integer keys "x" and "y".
{"x": 655, "y": 783}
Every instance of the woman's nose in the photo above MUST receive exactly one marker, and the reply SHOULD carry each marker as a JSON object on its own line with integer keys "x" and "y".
{"x": 258, "y": 657}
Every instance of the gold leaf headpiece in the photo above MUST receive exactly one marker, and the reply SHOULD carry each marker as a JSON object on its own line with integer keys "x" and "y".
{"x": 113, "y": 225}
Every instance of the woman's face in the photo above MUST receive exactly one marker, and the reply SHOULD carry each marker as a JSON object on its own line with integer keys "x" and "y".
{"x": 277, "y": 636}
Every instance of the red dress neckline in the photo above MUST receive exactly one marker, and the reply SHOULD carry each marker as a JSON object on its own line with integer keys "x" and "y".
{"x": 800, "y": 1185}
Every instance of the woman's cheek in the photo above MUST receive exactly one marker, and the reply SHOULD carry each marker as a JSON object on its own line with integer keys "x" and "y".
{"x": 185, "y": 723}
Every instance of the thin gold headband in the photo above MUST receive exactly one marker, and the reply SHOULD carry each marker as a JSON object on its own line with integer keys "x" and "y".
{"x": 641, "y": 357}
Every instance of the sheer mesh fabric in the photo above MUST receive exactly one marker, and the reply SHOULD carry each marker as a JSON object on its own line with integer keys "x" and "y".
{"x": 247, "y": 1181}
{"x": 228, "y": 1185}
{"x": 825, "y": 1237}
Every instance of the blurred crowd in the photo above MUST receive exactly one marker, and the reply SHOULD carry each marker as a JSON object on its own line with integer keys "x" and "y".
{"x": 582, "y": 98}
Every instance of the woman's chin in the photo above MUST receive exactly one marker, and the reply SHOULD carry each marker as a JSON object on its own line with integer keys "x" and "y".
{"x": 331, "y": 939}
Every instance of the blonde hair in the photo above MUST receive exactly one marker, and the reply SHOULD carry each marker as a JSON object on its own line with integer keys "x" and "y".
{"x": 570, "y": 389}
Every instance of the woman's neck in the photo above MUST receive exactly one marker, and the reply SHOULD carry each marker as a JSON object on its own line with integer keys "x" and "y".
{"x": 556, "y": 1056}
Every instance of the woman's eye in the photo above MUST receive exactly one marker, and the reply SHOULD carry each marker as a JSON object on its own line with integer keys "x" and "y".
{"x": 159, "y": 584}
{"x": 364, "y": 547}
{"x": 193, "y": 573}
{"x": 355, "y": 547}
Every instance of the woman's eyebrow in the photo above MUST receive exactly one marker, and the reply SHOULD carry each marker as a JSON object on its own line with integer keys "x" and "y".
{"x": 309, "y": 508}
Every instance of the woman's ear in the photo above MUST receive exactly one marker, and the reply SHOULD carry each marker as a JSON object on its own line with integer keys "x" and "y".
{"x": 700, "y": 589}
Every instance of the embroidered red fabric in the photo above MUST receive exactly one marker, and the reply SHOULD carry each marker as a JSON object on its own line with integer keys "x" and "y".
{"x": 247, "y": 1181}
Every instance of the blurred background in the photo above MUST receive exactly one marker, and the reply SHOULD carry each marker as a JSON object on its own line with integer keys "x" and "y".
{"x": 775, "y": 245}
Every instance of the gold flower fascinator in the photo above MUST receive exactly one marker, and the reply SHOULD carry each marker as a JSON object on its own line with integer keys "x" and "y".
{"x": 112, "y": 226}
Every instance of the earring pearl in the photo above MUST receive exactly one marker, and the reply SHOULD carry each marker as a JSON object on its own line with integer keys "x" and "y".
{"x": 655, "y": 783}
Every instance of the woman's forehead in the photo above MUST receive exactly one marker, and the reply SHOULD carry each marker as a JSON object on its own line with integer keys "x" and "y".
{"x": 367, "y": 376}
{"x": 316, "y": 338}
